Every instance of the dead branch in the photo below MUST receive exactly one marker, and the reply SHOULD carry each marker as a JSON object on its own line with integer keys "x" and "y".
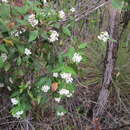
{"x": 109, "y": 65}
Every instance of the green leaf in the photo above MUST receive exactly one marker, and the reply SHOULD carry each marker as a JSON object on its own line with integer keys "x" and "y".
{"x": 39, "y": 99}
{"x": 4, "y": 11}
{"x": 82, "y": 45}
{"x": 26, "y": 106}
{"x": 60, "y": 108}
{"x": 70, "y": 52}
{"x": 31, "y": 95}
{"x": 7, "y": 66}
{"x": 70, "y": 87}
{"x": 19, "y": 61}
{"x": 23, "y": 87}
{"x": 21, "y": 49}
{"x": 3, "y": 49}
{"x": 22, "y": 10}
{"x": 41, "y": 81}
{"x": 15, "y": 93}
{"x": 69, "y": 70}
{"x": 44, "y": 34}
{"x": 58, "y": 68}
{"x": 33, "y": 35}
{"x": 3, "y": 27}
{"x": 66, "y": 31}
{"x": 21, "y": 22}
{"x": 19, "y": 72}
{"x": 1, "y": 63}
{"x": 15, "y": 109}
{"x": 56, "y": 26}
{"x": 37, "y": 65}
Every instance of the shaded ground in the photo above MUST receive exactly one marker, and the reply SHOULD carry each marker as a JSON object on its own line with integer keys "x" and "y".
{"x": 79, "y": 113}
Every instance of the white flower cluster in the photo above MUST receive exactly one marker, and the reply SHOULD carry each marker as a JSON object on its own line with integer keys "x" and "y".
{"x": 57, "y": 99}
{"x": 44, "y": 1}
{"x": 27, "y": 52}
{"x": 14, "y": 101}
{"x": 5, "y": 1}
{"x": 4, "y": 57}
{"x": 60, "y": 113}
{"x": 69, "y": 95}
{"x": 76, "y": 58}
{"x": 67, "y": 77}
{"x": 62, "y": 14}
{"x": 104, "y": 36}
{"x": 45, "y": 88}
{"x": 1, "y": 85}
{"x": 9, "y": 88}
{"x": 10, "y": 80}
{"x": 18, "y": 114}
{"x": 32, "y": 20}
{"x": 55, "y": 74}
{"x": 17, "y": 33}
{"x": 72, "y": 9}
{"x": 65, "y": 92}
{"x": 54, "y": 36}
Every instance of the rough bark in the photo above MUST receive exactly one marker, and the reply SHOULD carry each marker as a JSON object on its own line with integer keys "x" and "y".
{"x": 109, "y": 64}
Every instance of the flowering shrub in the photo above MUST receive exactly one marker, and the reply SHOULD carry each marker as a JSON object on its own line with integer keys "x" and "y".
{"x": 35, "y": 63}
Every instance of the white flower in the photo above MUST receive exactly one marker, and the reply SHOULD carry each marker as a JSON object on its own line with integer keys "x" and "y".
{"x": 32, "y": 20}
{"x": 9, "y": 88}
{"x": 44, "y": 1}
{"x": 5, "y": 1}
{"x": 69, "y": 80}
{"x": 72, "y": 9}
{"x": 18, "y": 114}
{"x": 29, "y": 82}
{"x": 57, "y": 99}
{"x": 67, "y": 77}
{"x": 69, "y": 95}
{"x": 27, "y": 51}
{"x": 31, "y": 17}
{"x": 4, "y": 57}
{"x": 1, "y": 85}
{"x": 54, "y": 36}
{"x": 14, "y": 101}
{"x": 63, "y": 92}
{"x": 104, "y": 36}
{"x": 62, "y": 14}
{"x": 10, "y": 80}
{"x": 60, "y": 113}
{"x": 17, "y": 33}
{"x": 23, "y": 30}
{"x": 45, "y": 88}
{"x": 76, "y": 58}
{"x": 14, "y": 33}
{"x": 55, "y": 75}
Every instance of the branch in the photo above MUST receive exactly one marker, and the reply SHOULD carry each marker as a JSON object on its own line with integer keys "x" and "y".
{"x": 84, "y": 14}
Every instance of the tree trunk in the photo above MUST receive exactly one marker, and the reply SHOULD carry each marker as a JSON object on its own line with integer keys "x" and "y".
{"x": 109, "y": 64}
